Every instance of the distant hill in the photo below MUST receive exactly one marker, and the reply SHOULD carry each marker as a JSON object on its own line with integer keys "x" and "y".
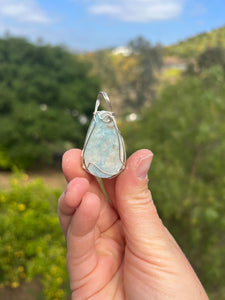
{"x": 197, "y": 44}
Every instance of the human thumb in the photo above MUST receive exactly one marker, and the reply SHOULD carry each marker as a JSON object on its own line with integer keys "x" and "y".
{"x": 137, "y": 211}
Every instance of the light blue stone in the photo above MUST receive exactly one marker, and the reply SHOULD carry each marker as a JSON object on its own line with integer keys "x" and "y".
{"x": 104, "y": 152}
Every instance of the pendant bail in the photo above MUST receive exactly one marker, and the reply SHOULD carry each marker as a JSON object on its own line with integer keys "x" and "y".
{"x": 105, "y": 97}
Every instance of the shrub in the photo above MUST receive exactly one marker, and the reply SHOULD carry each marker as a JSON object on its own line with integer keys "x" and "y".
{"x": 31, "y": 241}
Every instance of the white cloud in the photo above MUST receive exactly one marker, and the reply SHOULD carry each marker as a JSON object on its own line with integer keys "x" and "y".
{"x": 138, "y": 10}
{"x": 27, "y": 11}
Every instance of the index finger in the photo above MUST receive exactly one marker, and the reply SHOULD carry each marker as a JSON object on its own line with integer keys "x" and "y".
{"x": 72, "y": 165}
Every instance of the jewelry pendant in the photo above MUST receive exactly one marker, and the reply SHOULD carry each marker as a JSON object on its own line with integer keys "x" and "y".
{"x": 104, "y": 152}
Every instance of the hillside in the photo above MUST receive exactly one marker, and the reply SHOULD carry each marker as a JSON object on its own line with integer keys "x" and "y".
{"x": 197, "y": 44}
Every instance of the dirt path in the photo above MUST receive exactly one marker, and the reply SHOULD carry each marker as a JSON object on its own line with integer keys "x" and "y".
{"x": 52, "y": 178}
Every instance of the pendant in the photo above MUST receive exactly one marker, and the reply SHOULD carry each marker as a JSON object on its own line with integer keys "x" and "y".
{"x": 104, "y": 152}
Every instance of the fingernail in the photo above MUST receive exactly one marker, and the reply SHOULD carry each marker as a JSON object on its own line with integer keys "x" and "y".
{"x": 143, "y": 167}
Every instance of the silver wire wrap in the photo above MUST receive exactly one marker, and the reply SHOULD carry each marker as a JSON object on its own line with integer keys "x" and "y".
{"x": 103, "y": 95}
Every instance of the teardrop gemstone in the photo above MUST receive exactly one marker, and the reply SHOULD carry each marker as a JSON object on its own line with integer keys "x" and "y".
{"x": 103, "y": 154}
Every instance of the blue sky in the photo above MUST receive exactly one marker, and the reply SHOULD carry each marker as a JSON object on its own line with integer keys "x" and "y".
{"x": 85, "y": 25}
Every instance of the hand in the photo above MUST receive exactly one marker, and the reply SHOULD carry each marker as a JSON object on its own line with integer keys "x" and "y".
{"x": 120, "y": 250}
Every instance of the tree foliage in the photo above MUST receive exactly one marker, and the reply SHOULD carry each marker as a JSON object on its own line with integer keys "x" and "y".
{"x": 44, "y": 90}
{"x": 130, "y": 78}
{"x": 149, "y": 59}
{"x": 211, "y": 57}
{"x": 185, "y": 129}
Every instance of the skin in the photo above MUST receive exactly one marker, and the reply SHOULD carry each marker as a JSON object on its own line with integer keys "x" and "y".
{"x": 120, "y": 249}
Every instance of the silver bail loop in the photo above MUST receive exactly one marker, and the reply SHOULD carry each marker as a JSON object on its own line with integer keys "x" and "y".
{"x": 104, "y": 96}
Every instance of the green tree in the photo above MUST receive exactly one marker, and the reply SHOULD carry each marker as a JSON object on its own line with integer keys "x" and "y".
{"x": 129, "y": 78}
{"x": 149, "y": 60}
{"x": 44, "y": 92}
{"x": 211, "y": 57}
{"x": 185, "y": 129}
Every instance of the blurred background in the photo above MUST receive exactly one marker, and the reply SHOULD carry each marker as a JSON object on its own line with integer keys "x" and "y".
{"x": 162, "y": 64}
